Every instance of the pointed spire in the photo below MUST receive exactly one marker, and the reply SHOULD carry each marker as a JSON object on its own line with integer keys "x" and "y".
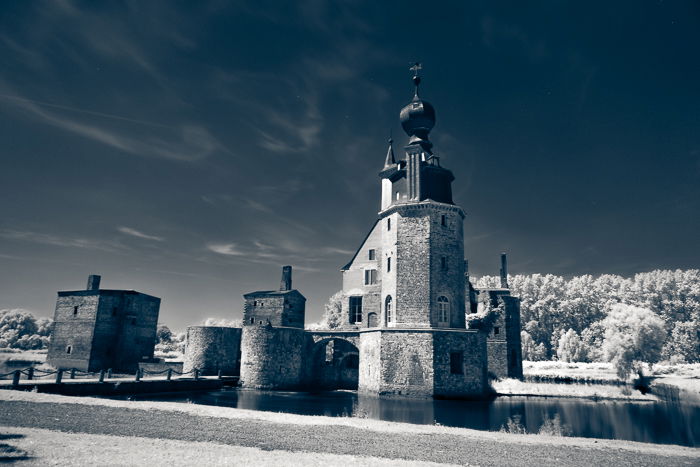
{"x": 390, "y": 160}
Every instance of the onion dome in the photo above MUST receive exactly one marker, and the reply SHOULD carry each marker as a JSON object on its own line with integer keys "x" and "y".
{"x": 418, "y": 117}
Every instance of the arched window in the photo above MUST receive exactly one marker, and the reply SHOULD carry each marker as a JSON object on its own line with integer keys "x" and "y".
{"x": 388, "y": 310}
{"x": 443, "y": 311}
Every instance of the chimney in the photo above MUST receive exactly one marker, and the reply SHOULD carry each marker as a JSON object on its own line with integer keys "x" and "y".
{"x": 286, "y": 282}
{"x": 504, "y": 271}
{"x": 93, "y": 282}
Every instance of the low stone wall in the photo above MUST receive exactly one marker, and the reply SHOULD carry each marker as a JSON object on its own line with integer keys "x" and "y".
{"x": 211, "y": 349}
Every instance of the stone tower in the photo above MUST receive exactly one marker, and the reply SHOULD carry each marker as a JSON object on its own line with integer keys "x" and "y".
{"x": 422, "y": 261}
{"x": 417, "y": 343}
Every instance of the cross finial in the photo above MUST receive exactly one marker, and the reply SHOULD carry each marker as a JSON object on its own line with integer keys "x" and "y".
{"x": 415, "y": 68}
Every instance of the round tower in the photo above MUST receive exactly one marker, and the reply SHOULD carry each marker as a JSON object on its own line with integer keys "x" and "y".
{"x": 211, "y": 349}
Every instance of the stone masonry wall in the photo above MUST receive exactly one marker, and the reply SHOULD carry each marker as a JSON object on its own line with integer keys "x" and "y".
{"x": 294, "y": 312}
{"x": 413, "y": 257}
{"x": 473, "y": 381}
{"x": 406, "y": 363}
{"x": 74, "y": 330}
{"x": 264, "y": 309}
{"x": 370, "y": 362}
{"x": 210, "y": 349}
{"x": 389, "y": 250}
{"x": 447, "y": 241}
{"x": 137, "y": 334}
{"x": 496, "y": 344}
{"x": 274, "y": 358}
{"x": 514, "y": 345}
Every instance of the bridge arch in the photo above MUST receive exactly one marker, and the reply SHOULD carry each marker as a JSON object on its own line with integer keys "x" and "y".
{"x": 334, "y": 362}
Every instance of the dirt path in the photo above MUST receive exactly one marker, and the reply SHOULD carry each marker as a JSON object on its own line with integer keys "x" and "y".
{"x": 415, "y": 444}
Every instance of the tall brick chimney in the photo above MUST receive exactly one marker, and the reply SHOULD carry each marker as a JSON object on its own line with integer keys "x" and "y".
{"x": 286, "y": 282}
{"x": 504, "y": 271}
{"x": 93, "y": 282}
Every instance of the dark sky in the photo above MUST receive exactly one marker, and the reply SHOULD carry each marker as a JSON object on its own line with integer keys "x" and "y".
{"x": 189, "y": 149}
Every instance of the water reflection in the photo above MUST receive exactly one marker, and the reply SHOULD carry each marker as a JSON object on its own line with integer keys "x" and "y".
{"x": 638, "y": 421}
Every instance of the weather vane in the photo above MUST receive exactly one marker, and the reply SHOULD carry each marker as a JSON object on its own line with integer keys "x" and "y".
{"x": 415, "y": 68}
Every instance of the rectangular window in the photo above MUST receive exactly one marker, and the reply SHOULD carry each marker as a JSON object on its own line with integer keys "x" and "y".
{"x": 75, "y": 310}
{"x": 388, "y": 265}
{"x": 388, "y": 224}
{"x": 443, "y": 262}
{"x": 496, "y": 330}
{"x": 456, "y": 363}
{"x": 443, "y": 220}
{"x": 372, "y": 255}
{"x": 370, "y": 276}
{"x": 355, "y": 310}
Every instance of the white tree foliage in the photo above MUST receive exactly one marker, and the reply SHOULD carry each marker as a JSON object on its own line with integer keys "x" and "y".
{"x": 633, "y": 335}
{"x": 552, "y": 305}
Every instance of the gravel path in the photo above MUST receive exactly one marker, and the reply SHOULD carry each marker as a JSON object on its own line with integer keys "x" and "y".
{"x": 334, "y": 439}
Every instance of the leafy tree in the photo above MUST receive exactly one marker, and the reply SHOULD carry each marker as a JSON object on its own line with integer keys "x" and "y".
{"x": 684, "y": 344}
{"x": 531, "y": 350}
{"x": 163, "y": 334}
{"x": 633, "y": 335}
{"x": 19, "y": 329}
{"x": 570, "y": 348}
{"x": 333, "y": 317}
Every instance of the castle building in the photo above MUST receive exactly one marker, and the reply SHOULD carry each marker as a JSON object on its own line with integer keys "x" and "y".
{"x": 98, "y": 329}
{"x": 406, "y": 296}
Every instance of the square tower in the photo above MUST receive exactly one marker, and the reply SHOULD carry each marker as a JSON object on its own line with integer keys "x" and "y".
{"x": 97, "y": 329}
{"x": 285, "y": 307}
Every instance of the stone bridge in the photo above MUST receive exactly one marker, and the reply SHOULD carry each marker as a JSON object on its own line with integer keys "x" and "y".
{"x": 351, "y": 336}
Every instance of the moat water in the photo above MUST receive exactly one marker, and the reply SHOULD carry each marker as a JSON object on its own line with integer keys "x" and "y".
{"x": 651, "y": 422}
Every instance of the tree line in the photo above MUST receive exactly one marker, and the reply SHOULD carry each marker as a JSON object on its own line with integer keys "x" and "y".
{"x": 653, "y": 316}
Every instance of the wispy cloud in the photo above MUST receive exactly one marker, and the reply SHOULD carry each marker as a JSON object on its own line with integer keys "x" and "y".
{"x": 185, "y": 142}
{"x": 139, "y": 234}
{"x": 228, "y": 249}
{"x": 55, "y": 240}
